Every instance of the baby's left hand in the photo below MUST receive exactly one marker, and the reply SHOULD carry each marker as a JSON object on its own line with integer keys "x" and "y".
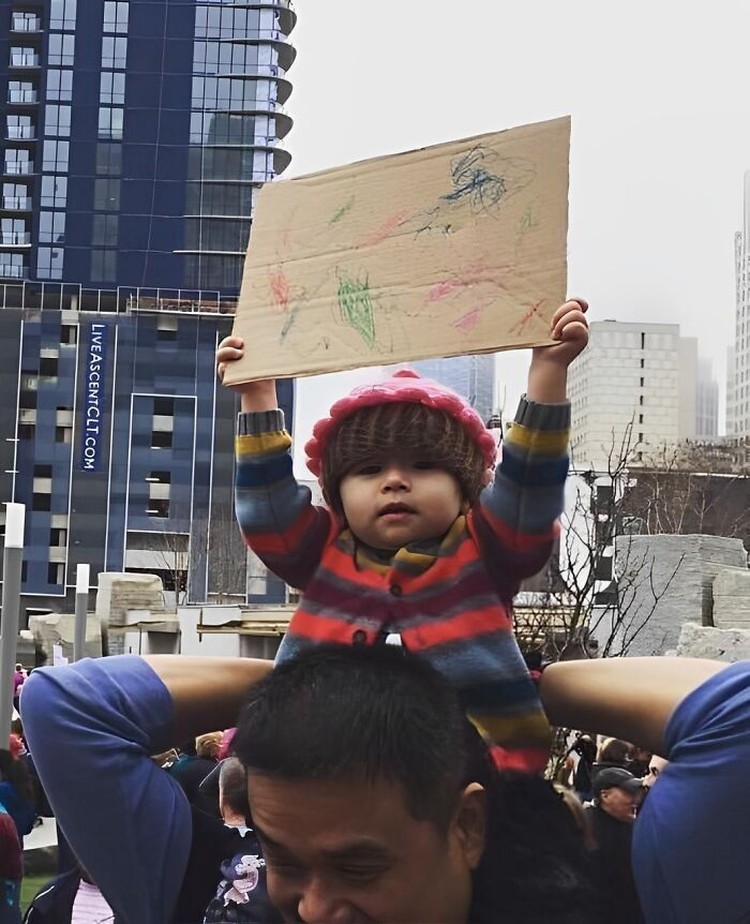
{"x": 571, "y": 329}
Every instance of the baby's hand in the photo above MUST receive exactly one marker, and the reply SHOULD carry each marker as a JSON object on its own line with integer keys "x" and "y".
{"x": 571, "y": 331}
{"x": 229, "y": 351}
{"x": 254, "y": 396}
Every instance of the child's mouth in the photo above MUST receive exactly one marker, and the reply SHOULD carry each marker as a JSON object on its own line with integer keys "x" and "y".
{"x": 396, "y": 511}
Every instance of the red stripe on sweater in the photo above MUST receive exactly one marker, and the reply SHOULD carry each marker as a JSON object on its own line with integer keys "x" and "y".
{"x": 459, "y": 627}
{"x": 279, "y": 543}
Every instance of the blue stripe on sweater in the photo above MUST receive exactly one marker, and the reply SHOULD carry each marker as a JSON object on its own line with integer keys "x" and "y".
{"x": 534, "y": 473}
{"x": 263, "y": 471}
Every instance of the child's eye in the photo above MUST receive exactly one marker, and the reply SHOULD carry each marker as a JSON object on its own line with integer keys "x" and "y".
{"x": 371, "y": 469}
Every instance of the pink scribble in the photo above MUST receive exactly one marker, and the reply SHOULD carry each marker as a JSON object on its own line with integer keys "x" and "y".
{"x": 280, "y": 289}
{"x": 469, "y": 321}
{"x": 520, "y": 325}
{"x": 386, "y": 229}
{"x": 472, "y": 276}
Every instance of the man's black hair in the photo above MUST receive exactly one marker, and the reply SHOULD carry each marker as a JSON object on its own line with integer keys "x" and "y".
{"x": 367, "y": 712}
{"x": 380, "y": 713}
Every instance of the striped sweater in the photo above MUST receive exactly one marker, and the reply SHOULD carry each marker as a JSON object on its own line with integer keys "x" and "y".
{"x": 450, "y": 599}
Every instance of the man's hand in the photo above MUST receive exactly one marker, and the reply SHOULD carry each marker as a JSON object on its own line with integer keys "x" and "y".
{"x": 548, "y": 373}
{"x": 254, "y": 396}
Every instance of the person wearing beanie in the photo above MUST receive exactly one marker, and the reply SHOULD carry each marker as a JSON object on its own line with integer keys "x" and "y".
{"x": 422, "y": 537}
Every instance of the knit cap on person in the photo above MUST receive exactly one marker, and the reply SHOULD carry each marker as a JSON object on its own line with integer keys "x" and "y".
{"x": 407, "y": 416}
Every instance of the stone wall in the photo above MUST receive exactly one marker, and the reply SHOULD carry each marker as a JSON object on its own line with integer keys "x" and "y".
{"x": 716, "y": 644}
{"x": 668, "y": 580}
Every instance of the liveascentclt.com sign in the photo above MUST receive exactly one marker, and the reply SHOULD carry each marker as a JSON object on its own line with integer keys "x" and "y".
{"x": 92, "y": 430}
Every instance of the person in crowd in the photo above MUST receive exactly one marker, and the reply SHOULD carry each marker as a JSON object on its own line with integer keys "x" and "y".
{"x": 340, "y": 832}
{"x": 71, "y": 897}
{"x": 617, "y": 795}
{"x": 19, "y": 677}
{"x": 656, "y": 766}
{"x": 11, "y": 869}
{"x": 241, "y": 896}
{"x": 418, "y": 539}
{"x": 584, "y": 748}
{"x": 17, "y": 793}
{"x": 191, "y": 769}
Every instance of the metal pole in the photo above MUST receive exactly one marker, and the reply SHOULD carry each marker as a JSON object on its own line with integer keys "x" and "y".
{"x": 82, "y": 606}
{"x": 15, "y": 515}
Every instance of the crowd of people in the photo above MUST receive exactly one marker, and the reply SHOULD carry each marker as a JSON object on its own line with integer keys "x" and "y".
{"x": 388, "y": 767}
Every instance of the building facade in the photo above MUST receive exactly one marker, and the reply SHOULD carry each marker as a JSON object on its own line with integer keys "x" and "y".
{"x": 136, "y": 136}
{"x": 632, "y": 391}
{"x": 738, "y": 384}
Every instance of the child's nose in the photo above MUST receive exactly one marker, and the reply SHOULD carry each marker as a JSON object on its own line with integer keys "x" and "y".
{"x": 395, "y": 477}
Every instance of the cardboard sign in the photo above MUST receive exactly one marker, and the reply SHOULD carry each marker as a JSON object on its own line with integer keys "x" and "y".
{"x": 457, "y": 248}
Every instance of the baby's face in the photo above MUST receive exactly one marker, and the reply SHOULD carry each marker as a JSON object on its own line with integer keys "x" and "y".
{"x": 390, "y": 502}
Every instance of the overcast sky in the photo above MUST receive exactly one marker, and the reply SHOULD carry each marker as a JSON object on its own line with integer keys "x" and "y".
{"x": 659, "y": 98}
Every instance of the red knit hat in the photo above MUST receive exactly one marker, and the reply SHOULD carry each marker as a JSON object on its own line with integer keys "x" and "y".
{"x": 404, "y": 387}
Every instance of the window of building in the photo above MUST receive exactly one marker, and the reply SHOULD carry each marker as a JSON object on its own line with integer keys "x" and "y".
{"x": 24, "y": 571}
{"x": 161, "y": 439}
{"x": 59, "y": 84}
{"x": 14, "y": 231}
{"x": 25, "y": 22}
{"x": 158, "y": 508}
{"x": 61, "y": 50}
{"x": 58, "y": 538}
{"x": 55, "y": 156}
{"x": 57, "y": 120}
{"x": 41, "y": 501}
{"x": 112, "y": 88}
{"x": 107, "y": 194}
{"x": 52, "y": 227}
{"x": 166, "y": 328}
{"x": 26, "y": 431}
{"x": 114, "y": 52}
{"x": 54, "y": 192}
{"x": 19, "y": 127}
{"x": 18, "y": 162}
{"x": 63, "y": 434}
{"x": 110, "y": 122}
{"x": 642, "y": 381}
{"x": 64, "y": 416}
{"x": 643, "y": 340}
{"x": 42, "y": 471}
{"x": 49, "y": 262}
{"x": 115, "y": 17}
{"x": 104, "y": 229}
{"x": 62, "y": 14}
{"x": 21, "y": 91}
{"x": 164, "y": 406}
{"x": 108, "y": 158}
{"x": 12, "y": 266}
{"x": 23, "y": 56}
{"x": 55, "y": 573}
{"x": 48, "y": 368}
{"x": 103, "y": 265}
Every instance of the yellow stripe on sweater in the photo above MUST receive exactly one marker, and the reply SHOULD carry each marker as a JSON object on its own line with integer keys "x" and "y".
{"x": 530, "y": 728}
{"x": 548, "y": 442}
{"x": 263, "y": 444}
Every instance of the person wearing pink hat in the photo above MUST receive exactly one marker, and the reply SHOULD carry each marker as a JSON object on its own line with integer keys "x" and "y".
{"x": 422, "y": 537}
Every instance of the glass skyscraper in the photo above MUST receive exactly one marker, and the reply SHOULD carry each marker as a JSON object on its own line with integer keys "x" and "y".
{"x": 136, "y": 136}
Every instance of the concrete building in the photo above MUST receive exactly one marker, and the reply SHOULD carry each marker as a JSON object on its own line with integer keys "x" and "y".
{"x": 738, "y": 390}
{"x": 136, "y": 135}
{"x": 706, "y": 403}
{"x": 635, "y": 383}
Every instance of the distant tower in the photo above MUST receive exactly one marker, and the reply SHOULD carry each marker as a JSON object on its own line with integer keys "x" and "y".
{"x": 472, "y": 377}
{"x": 738, "y": 398}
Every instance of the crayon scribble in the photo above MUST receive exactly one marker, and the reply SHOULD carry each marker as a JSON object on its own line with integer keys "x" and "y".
{"x": 469, "y": 321}
{"x": 279, "y": 289}
{"x": 290, "y": 319}
{"x": 386, "y": 229}
{"x": 474, "y": 181}
{"x": 519, "y": 326}
{"x": 528, "y": 221}
{"x": 339, "y": 213}
{"x": 471, "y": 276}
{"x": 356, "y": 307}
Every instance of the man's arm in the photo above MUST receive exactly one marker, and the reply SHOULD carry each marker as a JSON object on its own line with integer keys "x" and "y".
{"x": 91, "y": 727}
{"x": 629, "y": 698}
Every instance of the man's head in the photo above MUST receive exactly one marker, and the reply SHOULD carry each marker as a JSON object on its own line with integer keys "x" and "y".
{"x": 233, "y": 803}
{"x": 362, "y": 788}
{"x": 618, "y": 793}
{"x": 655, "y": 767}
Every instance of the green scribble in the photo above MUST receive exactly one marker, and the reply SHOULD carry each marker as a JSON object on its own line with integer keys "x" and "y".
{"x": 338, "y": 215}
{"x": 290, "y": 319}
{"x": 357, "y": 308}
{"x": 528, "y": 220}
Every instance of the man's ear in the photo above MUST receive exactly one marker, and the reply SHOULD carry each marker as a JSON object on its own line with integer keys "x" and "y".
{"x": 470, "y": 823}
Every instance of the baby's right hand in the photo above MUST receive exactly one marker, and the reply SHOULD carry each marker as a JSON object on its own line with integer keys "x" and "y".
{"x": 229, "y": 351}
